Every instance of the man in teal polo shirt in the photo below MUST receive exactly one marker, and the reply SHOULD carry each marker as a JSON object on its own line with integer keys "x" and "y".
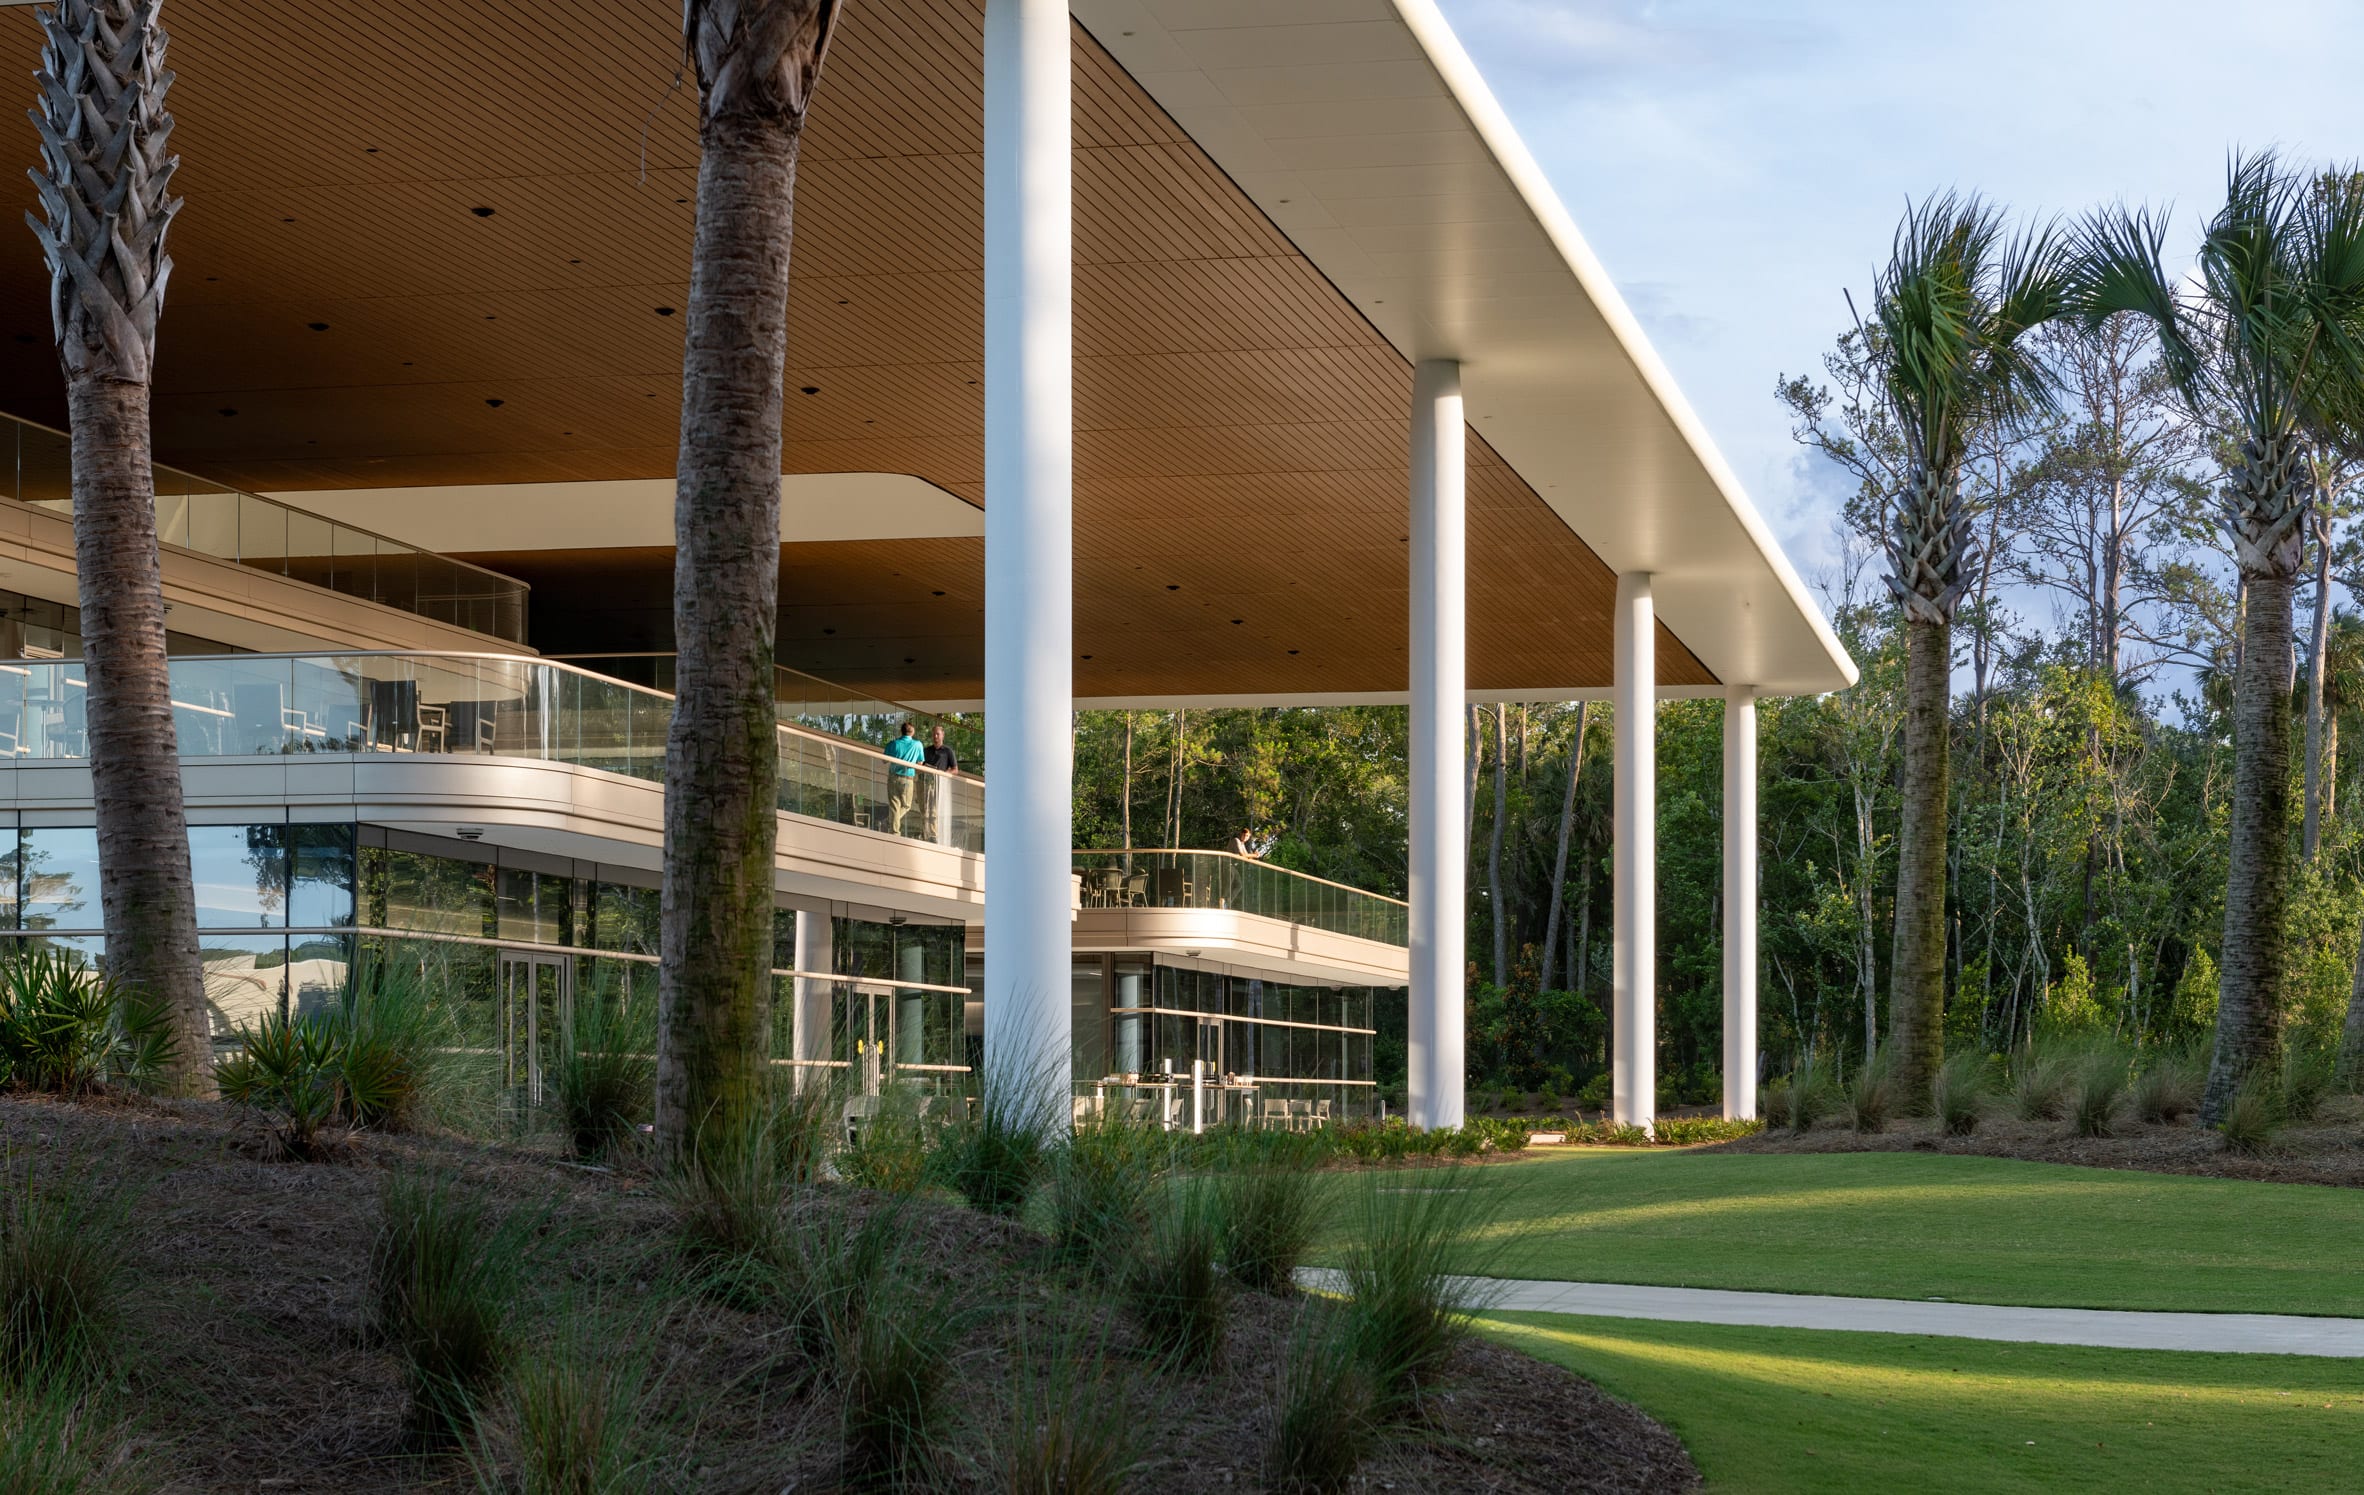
{"x": 902, "y": 779}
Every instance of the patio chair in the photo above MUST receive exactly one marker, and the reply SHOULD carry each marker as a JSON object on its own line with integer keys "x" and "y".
{"x": 1301, "y": 1116}
{"x": 1276, "y": 1113}
{"x": 1321, "y": 1113}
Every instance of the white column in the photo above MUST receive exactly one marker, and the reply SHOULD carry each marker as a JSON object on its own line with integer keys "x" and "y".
{"x": 1029, "y": 550}
{"x": 1740, "y": 902}
{"x": 814, "y": 999}
{"x": 1440, "y": 669}
{"x": 1634, "y": 1018}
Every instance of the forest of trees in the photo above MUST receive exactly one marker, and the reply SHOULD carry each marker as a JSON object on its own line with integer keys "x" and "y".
{"x": 2092, "y": 743}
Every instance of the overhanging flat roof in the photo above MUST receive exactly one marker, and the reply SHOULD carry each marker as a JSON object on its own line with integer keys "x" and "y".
{"x": 1277, "y": 205}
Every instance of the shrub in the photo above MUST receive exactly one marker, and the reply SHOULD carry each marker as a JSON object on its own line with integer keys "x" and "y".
{"x": 70, "y": 1029}
{"x": 574, "y": 1421}
{"x": 2252, "y": 1118}
{"x": 54, "y": 1440}
{"x": 2040, "y": 1084}
{"x": 1595, "y": 1094}
{"x": 1687, "y": 1131}
{"x": 1268, "y": 1202}
{"x": 604, "y": 1079}
{"x": 1775, "y": 1103}
{"x": 61, "y": 1275}
{"x": 443, "y": 1273}
{"x": 1068, "y": 1427}
{"x": 1321, "y": 1419}
{"x": 1959, "y": 1094}
{"x": 1412, "y": 1279}
{"x": 1176, "y": 1292}
{"x": 2096, "y": 1087}
{"x": 2166, "y": 1090}
{"x": 1871, "y": 1097}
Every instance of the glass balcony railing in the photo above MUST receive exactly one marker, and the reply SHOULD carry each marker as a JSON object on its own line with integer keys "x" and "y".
{"x": 483, "y": 704}
{"x": 1221, "y": 879}
{"x": 809, "y": 701}
{"x": 36, "y": 468}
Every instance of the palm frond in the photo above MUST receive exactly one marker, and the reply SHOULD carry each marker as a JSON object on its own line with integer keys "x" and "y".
{"x": 2114, "y": 269}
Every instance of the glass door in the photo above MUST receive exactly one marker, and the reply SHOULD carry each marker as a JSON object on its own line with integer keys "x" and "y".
{"x": 537, "y": 1018}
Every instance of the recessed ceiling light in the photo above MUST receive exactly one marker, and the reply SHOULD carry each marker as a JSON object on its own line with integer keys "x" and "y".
{"x": 939, "y": 594}
{"x": 226, "y": 410}
{"x": 482, "y": 212}
{"x": 907, "y": 659}
{"x": 1173, "y": 586}
{"x": 496, "y": 404}
{"x": 664, "y": 311}
{"x": 829, "y": 630}
{"x": 317, "y": 326}
{"x": 1235, "y": 622}
{"x": 812, "y": 389}
{"x": 1292, "y": 651}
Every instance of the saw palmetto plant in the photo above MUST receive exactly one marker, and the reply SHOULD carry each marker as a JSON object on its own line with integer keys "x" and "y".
{"x": 1949, "y": 336}
{"x": 105, "y": 184}
{"x": 2267, "y": 336}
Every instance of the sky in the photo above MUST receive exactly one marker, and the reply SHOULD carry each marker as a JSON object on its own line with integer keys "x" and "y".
{"x": 1736, "y": 163}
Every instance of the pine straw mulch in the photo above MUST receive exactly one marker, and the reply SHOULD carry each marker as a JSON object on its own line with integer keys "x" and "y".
{"x": 246, "y": 1367}
{"x": 2328, "y": 1150}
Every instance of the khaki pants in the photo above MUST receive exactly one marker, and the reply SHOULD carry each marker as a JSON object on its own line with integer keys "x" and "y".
{"x": 899, "y": 792}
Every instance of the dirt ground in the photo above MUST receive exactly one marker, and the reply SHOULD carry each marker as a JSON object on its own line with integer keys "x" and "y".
{"x": 2327, "y": 1150}
{"x": 246, "y": 1368}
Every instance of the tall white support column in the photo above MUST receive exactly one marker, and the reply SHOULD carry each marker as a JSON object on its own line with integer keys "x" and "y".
{"x": 1634, "y": 1008}
{"x": 1740, "y": 902}
{"x": 809, "y": 1031}
{"x": 1029, "y": 551}
{"x": 1440, "y": 671}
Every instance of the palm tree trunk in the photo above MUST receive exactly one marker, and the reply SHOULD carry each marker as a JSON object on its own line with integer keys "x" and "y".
{"x": 1494, "y": 851}
{"x": 756, "y": 63}
{"x": 1559, "y": 861}
{"x": 2257, "y": 877}
{"x": 2318, "y": 650}
{"x": 1916, "y": 966}
{"x": 147, "y": 903}
{"x": 104, "y": 183}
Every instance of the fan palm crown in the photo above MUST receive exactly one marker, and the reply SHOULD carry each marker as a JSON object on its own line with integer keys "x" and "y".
{"x": 1949, "y": 322}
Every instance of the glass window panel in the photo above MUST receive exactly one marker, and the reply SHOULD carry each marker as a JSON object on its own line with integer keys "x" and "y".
{"x": 10, "y": 899}
{"x": 437, "y": 894}
{"x": 320, "y": 893}
{"x": 319, "y": 967}
{"x": 60, "y": 872}
{"x": 240, "y": 875}
{"x": 532, "y": 907}
{"x": 1089, "y": 1011}
{"x": 245, "y": 980}
{"x": 625, "y": 919}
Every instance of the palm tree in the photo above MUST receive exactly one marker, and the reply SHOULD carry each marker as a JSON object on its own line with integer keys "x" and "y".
{"x": 104, "y": 184}
{"x": 1949, "y": 338}
{"x": 757, "y": 62}
{"x": 2268, "y": 338}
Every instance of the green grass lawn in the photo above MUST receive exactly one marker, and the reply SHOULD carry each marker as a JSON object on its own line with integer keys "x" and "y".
{"x": 1915, "y": 1225}
{"x": 1781, "y": 1410}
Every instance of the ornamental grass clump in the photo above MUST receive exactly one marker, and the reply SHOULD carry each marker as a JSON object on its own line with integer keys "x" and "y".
{"x": 2040, "y": 1084}
{"x": 575, "y": 1418}
{"x": 603, "y": 1079}
{"x": 894, "y": 1375}
{"x": 2304, "y": 1083}
{"x": 1173, "y": 1286}
{"x": 2097, "y": 1088}
{"x": 2166, "y": 1090}
{"x": 1069, "y": 1425}
{"x": 2252, "y": 1121}
{"x": 1412, "y": 1278}
{"x": 729, "y": 1191}
{"x": 1100, "y": 1182}
{"x": 1322, "y": 1424}
{"x": 58, "y": 1438}
{"x": 1871, "y": 1097}
{"x": 1812, "y": 1093}
{"x": 443, "y": 1279}
{"x": 889, "y": 1149}
{"x": 1268, "y": 1199}
{"x": 376, "y": 1061}
{"x": 997, "y": 1149}
{"x": 1960, "y": 1094}
{"x": 61, "y": 1275}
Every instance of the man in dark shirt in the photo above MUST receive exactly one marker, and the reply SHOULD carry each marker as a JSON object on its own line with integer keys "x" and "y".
{"x": 944, "y": 759}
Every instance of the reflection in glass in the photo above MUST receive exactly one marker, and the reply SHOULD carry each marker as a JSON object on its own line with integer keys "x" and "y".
{"x": 59, "y": 874}
{"x": 320, "y": 892}
{"x": 245, "y": 980}
{"x": 240, "y": 875}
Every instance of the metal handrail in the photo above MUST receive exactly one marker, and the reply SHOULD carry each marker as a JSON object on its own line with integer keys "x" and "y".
{"x": 1190, "y": 851}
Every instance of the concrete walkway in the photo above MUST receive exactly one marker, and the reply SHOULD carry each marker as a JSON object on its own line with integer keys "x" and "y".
{"x": 2241, "y": 1333}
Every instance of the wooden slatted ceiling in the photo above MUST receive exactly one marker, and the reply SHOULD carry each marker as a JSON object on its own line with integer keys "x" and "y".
{"x": 1240, "y": 427}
